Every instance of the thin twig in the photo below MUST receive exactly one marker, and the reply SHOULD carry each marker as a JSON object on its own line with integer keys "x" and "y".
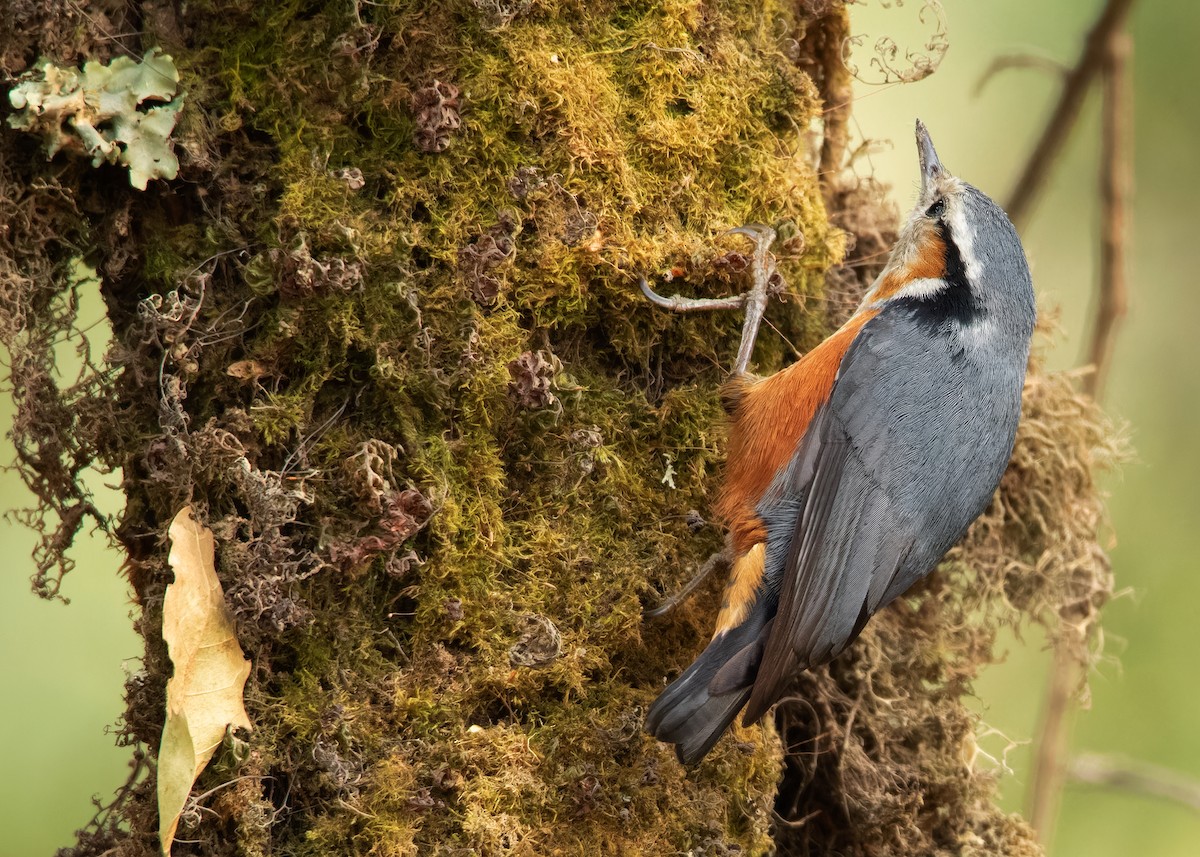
{"x": 1066, "y": 111}
{"x": 1050, "y": 769}
{"x": 1011, "y": 61}
{"x": 1114, "y": 197}
{"x": 1099, "y": 770}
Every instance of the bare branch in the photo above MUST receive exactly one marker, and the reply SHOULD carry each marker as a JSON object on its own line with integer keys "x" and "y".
{"x": 1115, "y": 184}
{"x": 1100, "y": 770}
{"x": 1049, "y": 764}
{"x": 1050, "y": 769}
{"x": 1067, "y": 110}
{"x": 1010, "y": 61}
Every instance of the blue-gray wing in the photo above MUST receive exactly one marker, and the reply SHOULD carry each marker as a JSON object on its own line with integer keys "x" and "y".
{"x": 906, "y": 453}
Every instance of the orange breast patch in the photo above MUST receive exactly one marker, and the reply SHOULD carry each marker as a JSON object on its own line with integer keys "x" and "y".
{"x": 928, "y": 263}
{"x": 767, "y": 424}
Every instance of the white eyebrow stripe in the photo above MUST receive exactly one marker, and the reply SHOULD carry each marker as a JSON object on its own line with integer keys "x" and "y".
{"x": 963, "y": 236}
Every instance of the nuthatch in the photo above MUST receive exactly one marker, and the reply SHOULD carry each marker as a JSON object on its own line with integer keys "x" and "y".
{"x": 851, "y": 472}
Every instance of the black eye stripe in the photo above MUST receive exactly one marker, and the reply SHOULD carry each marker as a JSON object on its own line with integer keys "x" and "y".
{"x": 937, "y": 209}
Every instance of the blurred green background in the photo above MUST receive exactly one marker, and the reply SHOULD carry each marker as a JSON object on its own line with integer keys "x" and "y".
{"x": 1146, "y": 706}
{"x": 62, "y": 671}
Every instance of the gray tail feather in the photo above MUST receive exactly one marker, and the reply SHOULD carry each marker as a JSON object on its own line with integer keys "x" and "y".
{"x": 696, "y": 709}
{"x": 692, "y": 719}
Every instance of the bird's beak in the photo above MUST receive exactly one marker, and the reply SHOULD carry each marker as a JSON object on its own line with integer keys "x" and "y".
{"x": 931, "y": 167}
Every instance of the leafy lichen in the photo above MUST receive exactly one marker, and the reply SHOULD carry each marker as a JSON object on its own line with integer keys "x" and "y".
{"x": 120, "y": 113}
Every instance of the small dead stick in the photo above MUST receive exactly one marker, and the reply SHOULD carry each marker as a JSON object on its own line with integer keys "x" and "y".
{"x": 1151, "y": 780}
{"x": 755, "y": 304}
{"x": 1075, "y": 87}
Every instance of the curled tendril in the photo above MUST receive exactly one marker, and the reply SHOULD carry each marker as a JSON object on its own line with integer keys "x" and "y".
{"x": 920, "y": 63}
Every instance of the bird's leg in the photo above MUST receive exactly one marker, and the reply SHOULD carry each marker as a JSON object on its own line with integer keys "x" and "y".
{"x": 717, "y": 562}
{"x": 755, "y": 304}
{"x": 754, "y": 301}
{"x": 763, "y": 268}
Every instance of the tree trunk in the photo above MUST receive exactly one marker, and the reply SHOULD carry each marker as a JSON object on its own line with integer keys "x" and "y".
{"x": 383, "y": 333}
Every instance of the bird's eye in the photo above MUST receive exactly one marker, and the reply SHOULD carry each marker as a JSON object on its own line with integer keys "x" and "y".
{"x": 937, "y": 209}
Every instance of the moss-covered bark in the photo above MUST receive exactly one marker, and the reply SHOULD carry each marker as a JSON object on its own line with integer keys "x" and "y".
{"x": 383, "y": 334}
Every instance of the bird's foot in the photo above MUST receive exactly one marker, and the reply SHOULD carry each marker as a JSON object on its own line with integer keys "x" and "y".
{"x": 754, "y": 301}
{"x": 718, "y": 562}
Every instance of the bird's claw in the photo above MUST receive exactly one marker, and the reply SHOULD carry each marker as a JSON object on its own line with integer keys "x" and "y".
{"x": 678, "y": 303}
{"x": 754, "y": 301}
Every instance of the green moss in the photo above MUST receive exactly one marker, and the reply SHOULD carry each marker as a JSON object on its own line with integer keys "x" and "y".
{"x": 361, "y": 286}
{"x": 613, "y": 141}
{"x": 398, "y": 361}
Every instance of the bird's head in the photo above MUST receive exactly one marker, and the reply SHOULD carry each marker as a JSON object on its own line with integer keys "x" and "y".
{"x": 958, "y": 257}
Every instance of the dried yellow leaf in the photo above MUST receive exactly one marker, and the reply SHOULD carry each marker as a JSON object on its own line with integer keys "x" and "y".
{"x": 204, "y": 695}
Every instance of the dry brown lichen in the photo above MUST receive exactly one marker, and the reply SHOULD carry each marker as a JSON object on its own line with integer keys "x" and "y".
{"x": 388, "y": 516}
{"x": 436, "y": 109}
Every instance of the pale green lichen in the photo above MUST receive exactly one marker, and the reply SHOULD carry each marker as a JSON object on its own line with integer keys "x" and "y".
{"x": 120, "y": 113}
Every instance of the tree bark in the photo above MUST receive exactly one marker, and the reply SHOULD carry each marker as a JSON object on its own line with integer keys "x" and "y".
{"x": 383, "y": 332}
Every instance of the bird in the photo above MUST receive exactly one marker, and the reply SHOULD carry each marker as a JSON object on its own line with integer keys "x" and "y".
{"x": 851, "y": 472}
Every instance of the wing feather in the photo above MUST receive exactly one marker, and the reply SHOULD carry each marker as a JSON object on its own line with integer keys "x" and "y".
{"x": 844, "y": 549}
{"x": 828, "y": 579}
{"x": 896, "y": 464}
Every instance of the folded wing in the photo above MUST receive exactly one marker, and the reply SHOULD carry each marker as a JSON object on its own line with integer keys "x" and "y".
{"x": 877, "y": 491}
